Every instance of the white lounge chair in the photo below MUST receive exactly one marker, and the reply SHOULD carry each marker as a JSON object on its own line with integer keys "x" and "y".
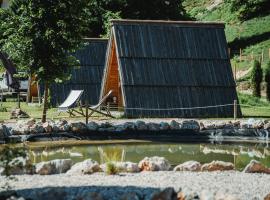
{"x": 73, "y": 98}
{"x": 70, "y": 102}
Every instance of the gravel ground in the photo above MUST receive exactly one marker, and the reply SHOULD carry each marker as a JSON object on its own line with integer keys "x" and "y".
{"x": 242, "y": 185}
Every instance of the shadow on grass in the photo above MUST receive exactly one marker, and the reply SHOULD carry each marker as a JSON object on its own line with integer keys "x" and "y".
{"x": 96, "y": 193}
{"x": 248, "y": 41}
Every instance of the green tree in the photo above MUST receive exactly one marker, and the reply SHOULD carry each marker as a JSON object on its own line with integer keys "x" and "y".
{"x": 256, "y": 78}
{"x": 46, "y": 35}
{"x": 267, "y": 80}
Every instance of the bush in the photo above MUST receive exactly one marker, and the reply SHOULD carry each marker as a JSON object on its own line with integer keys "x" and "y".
{"x": 256, "y": 78}
{"x": 111, "y": 168}
{"x": 267, "y": 80}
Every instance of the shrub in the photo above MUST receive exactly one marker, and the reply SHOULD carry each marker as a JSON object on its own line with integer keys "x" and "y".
{"x": 256, "y": 78}
{"x": 267, "y": 80}
{"x": 111, "y": 168}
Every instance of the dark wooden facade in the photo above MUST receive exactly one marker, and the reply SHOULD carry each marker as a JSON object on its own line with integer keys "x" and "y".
{"x": 157, "y": 66}
{"x": 87, "y": 76}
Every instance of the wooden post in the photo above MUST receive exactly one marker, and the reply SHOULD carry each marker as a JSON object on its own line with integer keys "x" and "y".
{"x": 234, "y": 72}
{"x": 252, "y": 55}
{"x": 234, "y": 109}
{"x": 262, "y": 56}
{"x": 86, "y": 112}
{"x": 229, "y": 52}
{"x": 240, "y": 51}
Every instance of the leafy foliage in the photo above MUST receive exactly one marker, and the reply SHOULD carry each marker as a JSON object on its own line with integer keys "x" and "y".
{"x": 246, "y": 9}
{"x": 41, "y": 35}
{"x": 267, "y": 80}
{"x": 256, "y": 78}
{"x": 103, "y": 10}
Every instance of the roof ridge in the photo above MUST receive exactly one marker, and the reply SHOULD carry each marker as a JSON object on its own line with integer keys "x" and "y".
{"x": 192, "y": 23}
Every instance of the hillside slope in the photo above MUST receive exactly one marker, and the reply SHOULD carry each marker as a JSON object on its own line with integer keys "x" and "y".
{"x": 252, "y": 35}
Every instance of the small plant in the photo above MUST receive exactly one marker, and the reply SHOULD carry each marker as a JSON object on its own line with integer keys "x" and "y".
{"x": 9, "y": 160}
{"x": 111, "y": 154}
{"x": 2, "y": 108}
{"x": 111, "y": 168}
{"x": 267, "y": 80}
{"x": 256, "y": 78}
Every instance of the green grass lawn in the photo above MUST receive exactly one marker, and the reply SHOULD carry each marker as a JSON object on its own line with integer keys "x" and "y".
{"x": 33, "y": 111}
{"x": 251, "y": 107}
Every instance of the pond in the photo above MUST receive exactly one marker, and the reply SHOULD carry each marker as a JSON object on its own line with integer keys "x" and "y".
{"x": 238, "y": 153}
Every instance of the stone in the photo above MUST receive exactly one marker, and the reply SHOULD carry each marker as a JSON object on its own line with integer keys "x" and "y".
{"x": 154, "y": 164}
{"x": 140, "y": 125}
{"x": 129, "y": 126}
{"x": 130, "y": 196}
{"x": 90, "y": 196}
{"x": 19, "y": 166}
{"x": 88, "y": 166}
{"x": 258, "y": 124}
{"x": 53, "y": 167}
{"x": 191, "y": 125}
{"x": 61, "y": 122}
{"x": 267, "y": 126}
{"x": 37, "y": 128}
{"x": 166, "y": 194}
{"x": 47, "y": 127}
{"x": 55, "y": 128}
{"x": 106, "y": 125}
{"x": 78, "y": 127}
{"x": 174, "y": 125}
{"x": 153, "y": 126}
{"x": 4, "y": 132}
{"x": 123, "y": 167}
{"x": 18, "y": 114}
{"x": 188, "y": 166}
{"x": 220, "y": 125}
{"x": 64, "y": 128}
{"x": 217, "y": 166}
{"x": 255, "y": 166}
{"x": 267, "y": 197}
{"x": 120, "y": 128}
{"x": 164, "y": 126}
{"x": 92, "y": 126}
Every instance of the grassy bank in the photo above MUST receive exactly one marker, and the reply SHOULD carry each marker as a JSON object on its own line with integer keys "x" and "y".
{"x": 250, "y": 106}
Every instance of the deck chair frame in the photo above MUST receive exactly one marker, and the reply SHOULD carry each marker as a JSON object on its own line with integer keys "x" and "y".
{"x": 97, "y": 108}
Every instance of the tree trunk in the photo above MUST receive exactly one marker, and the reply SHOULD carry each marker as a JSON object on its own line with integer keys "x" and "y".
{"x": 46, "y": 92}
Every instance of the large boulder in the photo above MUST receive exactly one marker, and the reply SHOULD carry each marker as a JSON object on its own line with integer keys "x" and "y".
{"x": 53, "y": 167}
{"x": 166, "y": 194}
{"x": 48, "y": 127}
{"x": 267, "y": 197}
{"x": 256, "y": 167}
{"x": 164, "y": 126}
{"x": 217, "y": 166}
{"x": 4, "y": 132}
{"x": 174, "y": 125}
{"x": 190, "y": 125}
{"x": 123, "y": 167}
{"x": 19, "y": 166}
{"x": 89, "y": 196}
{"x": 78, "y": 127}
{"x": 154, "y": 164}
{"x": 153, "y": 126}
{"x": 188, "y": 166}
{"x": 92, "y": 126}
{"x": 141, "y": 125}
{"x": 88, "y": 166}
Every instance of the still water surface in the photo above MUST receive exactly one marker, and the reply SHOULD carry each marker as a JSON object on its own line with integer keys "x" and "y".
{"x": 176, "y": 153}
